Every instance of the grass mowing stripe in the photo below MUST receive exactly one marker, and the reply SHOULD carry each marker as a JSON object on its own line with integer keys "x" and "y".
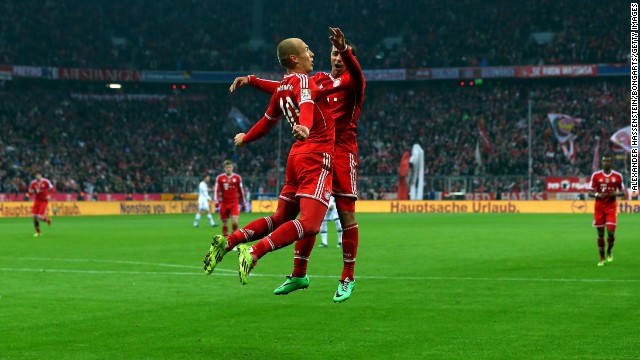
{"x": 440, "y": 286}
{"x": 226, "y": 272}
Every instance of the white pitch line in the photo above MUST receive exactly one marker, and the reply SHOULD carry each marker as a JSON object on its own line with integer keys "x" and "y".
{"x": 233, "y": 273}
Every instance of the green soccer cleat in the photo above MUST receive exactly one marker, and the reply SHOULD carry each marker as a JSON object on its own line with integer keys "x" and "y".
{"x": 610, "y": 258}
{"x": 215, "y": 254}
{"x": 344, "y": 290}
{"x": 245, "y": 263}
{"x": 292, "y": 284}
{"x": 602, "y": 263}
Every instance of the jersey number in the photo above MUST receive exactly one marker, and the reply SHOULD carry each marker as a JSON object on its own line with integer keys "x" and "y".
{"x": 288, "y": 110}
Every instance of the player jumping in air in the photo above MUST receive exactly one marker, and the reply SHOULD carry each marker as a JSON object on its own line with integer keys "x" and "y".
{"x": 344, "y": 88}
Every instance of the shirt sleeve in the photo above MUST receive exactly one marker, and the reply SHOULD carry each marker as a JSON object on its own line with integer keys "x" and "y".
{"x": 266, "y": 86}
{"x": 354, "y": 69}
{"x": 305, "y": 96}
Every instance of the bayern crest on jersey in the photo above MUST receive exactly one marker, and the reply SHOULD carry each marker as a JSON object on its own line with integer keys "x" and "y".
{"x": 327, "y": 194}
{"x": 336, "y": 83}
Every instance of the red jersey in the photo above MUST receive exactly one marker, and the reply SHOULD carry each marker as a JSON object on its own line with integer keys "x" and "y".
{"x": 230, "y": 186}
{"x": 298, "y": 99}
{"x": 606, "y": 183}
{"x": 345, "y": 95}
{"x": 41, "y": 189}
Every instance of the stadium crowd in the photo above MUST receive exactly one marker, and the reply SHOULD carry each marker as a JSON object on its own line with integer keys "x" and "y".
{"x": 103, "y": 144}
{"x": 240, "y": 36}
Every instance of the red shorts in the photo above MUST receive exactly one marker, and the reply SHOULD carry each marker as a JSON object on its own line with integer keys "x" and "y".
{"x": 228, "y": 209}
{"x": 39, "y": 208}
{"x": 608, "y": 217}
{"x": 308, "y": 175}
{"x": 345, "y": 175}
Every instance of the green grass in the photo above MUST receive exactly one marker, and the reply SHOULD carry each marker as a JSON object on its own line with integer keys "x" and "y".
{"x": 437, "y": 286}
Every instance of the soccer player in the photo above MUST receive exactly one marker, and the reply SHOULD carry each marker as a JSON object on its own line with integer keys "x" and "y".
{"x": 308, "y": 176}
{"x": 203, "y": 202}
{"x": 331, "y": 215}
{"x": 605, "y": 186}
{"x": 42, "y": 189}
{"x": 344, "y": 88}
{"x": 229, "y": 185}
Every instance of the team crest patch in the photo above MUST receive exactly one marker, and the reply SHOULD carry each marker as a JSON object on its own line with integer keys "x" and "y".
{"x": 305, "y": 94}
{"x": 327, "y": 194}
{"x": 336, "y": 83}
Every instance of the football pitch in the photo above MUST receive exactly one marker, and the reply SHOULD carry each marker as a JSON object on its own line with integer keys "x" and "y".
{"x": 429, "y": 286}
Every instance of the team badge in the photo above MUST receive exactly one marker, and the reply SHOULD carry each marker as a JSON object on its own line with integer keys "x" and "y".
{"x": 336, "y": 83}
{"x": 305, "y": 94}
{"x": 327, "y": 194}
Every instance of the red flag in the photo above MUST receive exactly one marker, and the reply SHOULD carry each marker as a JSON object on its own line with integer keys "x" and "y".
{"x": 622, "y": 138}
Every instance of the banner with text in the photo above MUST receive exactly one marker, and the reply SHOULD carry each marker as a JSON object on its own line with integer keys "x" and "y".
{"x": 568, "y": 184}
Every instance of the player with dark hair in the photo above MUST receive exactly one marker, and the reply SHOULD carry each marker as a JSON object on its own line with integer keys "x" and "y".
{"x": 229, "y": 187}
{"x": 344, "y": 88}
{"x": 203, "y": 202}
{"x": 605, "y": 186}
{"x": 42, "y": 189}
{"x": 307, "y": 187}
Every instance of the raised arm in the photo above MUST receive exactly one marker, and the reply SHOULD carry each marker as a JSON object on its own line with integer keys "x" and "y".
{"x": 266, "y": 86}
{"x": 353, "y": 66}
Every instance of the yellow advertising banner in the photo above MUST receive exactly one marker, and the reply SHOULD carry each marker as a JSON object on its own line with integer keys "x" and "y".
{"x": 81, "y": 208}
{"x": 471, "y": 206}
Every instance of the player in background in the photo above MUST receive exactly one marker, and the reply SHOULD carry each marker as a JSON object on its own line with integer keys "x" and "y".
{"x": 229, "y": 187}
{"x": 307, "y": 187}
{"x": 42, "y": 189}
{"x": 203, "y": 202}
{"x": 331, "y": 215}
{"x": 344, "y": 88}
{"x": 605, "y": 186}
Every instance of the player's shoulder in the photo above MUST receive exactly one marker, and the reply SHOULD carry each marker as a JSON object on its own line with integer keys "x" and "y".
{"x": 321, "y": 75}
{"x": 616, "y": 173}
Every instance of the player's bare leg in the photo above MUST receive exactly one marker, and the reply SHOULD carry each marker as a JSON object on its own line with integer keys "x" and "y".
{"x": 611, "y": 238}
{"x": 602, "y": 261}
{"x": 36, "y": 224}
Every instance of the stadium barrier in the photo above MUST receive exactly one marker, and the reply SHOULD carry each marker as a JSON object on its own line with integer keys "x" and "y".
{"x": 81, "y": 208}
{"x": 467, "y": 206}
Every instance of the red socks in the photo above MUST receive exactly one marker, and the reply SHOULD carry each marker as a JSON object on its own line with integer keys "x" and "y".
{"x": 301, "y": 254}
{"x": 259, "y": 228}
{"x": 349, "y": 250}
{"x": 311, "y": 215}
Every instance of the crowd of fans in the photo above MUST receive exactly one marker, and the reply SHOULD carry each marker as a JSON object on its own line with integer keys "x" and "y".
{"x": 87, "y": 143}
{"x": 241, "y": 36}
